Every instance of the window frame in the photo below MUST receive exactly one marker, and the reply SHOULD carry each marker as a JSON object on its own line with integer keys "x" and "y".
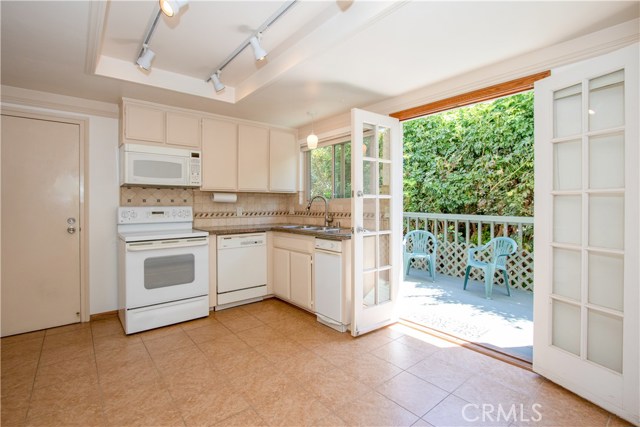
{"x": 341, "y": 139}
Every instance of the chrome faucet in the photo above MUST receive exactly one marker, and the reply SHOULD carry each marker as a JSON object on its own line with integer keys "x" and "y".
{"x": 327, "y": 219}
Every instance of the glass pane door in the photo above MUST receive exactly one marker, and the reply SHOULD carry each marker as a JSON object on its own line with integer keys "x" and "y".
{"x": 586, "y": 224}
{"x": 377, "y": 218}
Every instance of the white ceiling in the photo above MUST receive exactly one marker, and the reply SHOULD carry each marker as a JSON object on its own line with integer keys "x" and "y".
{"x": 324, "y": 56}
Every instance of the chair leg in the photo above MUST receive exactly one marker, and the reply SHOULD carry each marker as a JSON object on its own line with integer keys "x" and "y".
{"x": 407, "y": 265}
{"x": 488, "y": 282}
{"x": 432, "y": 268}
{"x": 506, "y": 281}
{"x": 466, "y": 277}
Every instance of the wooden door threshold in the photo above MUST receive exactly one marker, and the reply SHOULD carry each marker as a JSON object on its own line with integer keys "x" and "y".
{"x": 487, "y": 350}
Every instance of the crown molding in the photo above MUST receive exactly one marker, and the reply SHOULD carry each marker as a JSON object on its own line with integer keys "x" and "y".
{"x": 52, "y": 101}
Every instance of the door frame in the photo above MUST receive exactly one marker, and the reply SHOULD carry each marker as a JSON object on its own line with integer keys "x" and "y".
{"x": 83, "y": 221}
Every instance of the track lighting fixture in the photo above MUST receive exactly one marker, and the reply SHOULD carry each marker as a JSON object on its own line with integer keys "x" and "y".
{"x": 312, "y": 139}
{"x": 259, "y": 53}
{"x": 217, "y": 84}
{"x": 254, "y": 40}
{"x": 146, "y": 55}
{"x": 172, "y": 7}
{"x": 145, "y": 58}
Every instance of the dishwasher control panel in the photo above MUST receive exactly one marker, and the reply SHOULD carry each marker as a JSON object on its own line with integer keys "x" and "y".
{"x": 242, "y": 240}
{"x": 329, "y": 245}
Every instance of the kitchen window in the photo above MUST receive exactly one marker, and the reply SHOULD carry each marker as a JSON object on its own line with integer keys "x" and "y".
{"x": 329, "y": 170}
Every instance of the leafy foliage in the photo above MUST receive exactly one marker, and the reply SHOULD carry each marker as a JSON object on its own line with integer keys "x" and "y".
{"x": 473, "y": 160}
{"x": 320, "y": 170}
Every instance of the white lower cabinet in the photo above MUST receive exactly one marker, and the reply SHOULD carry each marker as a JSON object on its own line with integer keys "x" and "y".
{"x": 281, "y": 273}
{"x": 292, "y": 271}
{"x": 300, "y": 275}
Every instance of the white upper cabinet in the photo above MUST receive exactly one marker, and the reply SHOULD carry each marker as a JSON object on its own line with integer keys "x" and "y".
{"x": 236, "y": 155}
{"x": 219, "y": 155}
{"x": 145, "y": 122}
{"x": 283, "y": 161}
{"x": 183, "y": 129}
{"x": 253, "y": 158}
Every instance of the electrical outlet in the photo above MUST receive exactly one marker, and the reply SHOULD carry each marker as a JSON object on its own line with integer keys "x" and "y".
{"x": 239, "y": 211}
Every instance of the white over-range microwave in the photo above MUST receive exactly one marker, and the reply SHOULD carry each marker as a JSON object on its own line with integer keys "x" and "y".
{"x": 159, "y": 166}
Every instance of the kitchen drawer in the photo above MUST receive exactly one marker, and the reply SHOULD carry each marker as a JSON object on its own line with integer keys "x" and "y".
{"x": 293, "y": 243}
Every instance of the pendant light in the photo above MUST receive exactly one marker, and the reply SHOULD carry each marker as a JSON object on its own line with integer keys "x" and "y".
{"x": 312, "y": 139}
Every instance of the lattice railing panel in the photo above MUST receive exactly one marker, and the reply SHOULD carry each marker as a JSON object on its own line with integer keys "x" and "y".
{"x": 452, "y": 261}
{"x": 452, "y": 255}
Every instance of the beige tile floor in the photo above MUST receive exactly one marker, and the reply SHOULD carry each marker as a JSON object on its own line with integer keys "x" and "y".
{"x": 269, "y": 364}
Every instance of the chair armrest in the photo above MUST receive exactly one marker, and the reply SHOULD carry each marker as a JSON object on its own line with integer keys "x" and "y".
{"x": 472, "y": 251}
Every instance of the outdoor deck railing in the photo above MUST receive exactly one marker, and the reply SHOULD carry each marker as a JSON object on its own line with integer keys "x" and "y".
{"x": 457, "y": 233}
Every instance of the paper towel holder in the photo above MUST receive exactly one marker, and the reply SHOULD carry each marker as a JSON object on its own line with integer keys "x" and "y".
{"x": 224, "y": 197}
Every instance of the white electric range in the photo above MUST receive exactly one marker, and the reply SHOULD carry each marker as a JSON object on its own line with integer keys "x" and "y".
{"x": 163, "y": 274}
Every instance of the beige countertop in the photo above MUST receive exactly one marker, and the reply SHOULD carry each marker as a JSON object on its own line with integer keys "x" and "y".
{"x": 334, "y": 233}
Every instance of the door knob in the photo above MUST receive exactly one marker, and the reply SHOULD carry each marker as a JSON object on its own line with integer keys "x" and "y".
{"x": 71, "y": 221}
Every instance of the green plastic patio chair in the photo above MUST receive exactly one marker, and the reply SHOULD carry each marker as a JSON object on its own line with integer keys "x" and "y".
{"x": 420, "y": 244}
{"x": 501, "y": 248}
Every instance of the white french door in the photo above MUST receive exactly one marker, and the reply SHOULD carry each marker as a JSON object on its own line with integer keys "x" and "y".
{"x": 376, "y": 206}
{"x": 586, "y": 298}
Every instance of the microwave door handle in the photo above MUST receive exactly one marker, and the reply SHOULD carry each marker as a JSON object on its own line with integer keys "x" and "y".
{"x": 150, "y": 246}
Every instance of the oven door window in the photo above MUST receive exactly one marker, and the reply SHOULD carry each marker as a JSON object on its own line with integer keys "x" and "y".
{"x": 164, "y": 271}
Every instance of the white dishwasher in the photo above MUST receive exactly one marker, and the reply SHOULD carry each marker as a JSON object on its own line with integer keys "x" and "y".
{"x": 242, "y": 269}
{"x": 328, "y": 284}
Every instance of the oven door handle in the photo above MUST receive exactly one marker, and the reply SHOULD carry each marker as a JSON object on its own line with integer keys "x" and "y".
{"x": 166, "y": 244}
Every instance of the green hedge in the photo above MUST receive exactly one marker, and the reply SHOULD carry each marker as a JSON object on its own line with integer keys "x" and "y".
{"x": 475, "y": 160}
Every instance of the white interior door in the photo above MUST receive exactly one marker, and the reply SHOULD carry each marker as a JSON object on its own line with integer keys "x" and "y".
{"x": 586, "y": 298}
{"x": 376, "y": 208}
{"x": 40, "y": 224}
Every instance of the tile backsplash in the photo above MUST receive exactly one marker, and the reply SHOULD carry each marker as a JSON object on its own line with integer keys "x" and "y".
{"x": 249, "y": 208}
{"x": 147, "y": 196}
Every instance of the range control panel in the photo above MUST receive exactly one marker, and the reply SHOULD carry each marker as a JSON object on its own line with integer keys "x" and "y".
{"x": 154, "y": 214}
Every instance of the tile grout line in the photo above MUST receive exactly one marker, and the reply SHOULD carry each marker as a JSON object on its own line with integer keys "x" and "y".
{"x": 105, "y": 420}
{"x": 33, "y": 383}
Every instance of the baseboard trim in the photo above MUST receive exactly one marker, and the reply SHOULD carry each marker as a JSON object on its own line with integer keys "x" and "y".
{"x": 104, "y": 315}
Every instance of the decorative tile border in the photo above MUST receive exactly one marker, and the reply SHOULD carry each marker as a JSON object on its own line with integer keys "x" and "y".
{"x": 245, "y": 214}
{"x": 150, "y": 196}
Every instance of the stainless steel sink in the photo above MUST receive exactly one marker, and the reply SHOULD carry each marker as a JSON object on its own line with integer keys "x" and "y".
{"x": 329, "y": 229}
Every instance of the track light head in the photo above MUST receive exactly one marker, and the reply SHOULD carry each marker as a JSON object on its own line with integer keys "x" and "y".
{"x": 172, "y": 7}
{"x": 259, "y": 53}
{"x": 217, "y": 84}
{"x": 145, "y": 58}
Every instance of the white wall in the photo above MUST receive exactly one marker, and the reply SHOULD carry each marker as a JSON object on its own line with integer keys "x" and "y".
{"x": 103, "y": 192}
{"x": 568, "y": 52}
{"x": 104, "y": 198}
